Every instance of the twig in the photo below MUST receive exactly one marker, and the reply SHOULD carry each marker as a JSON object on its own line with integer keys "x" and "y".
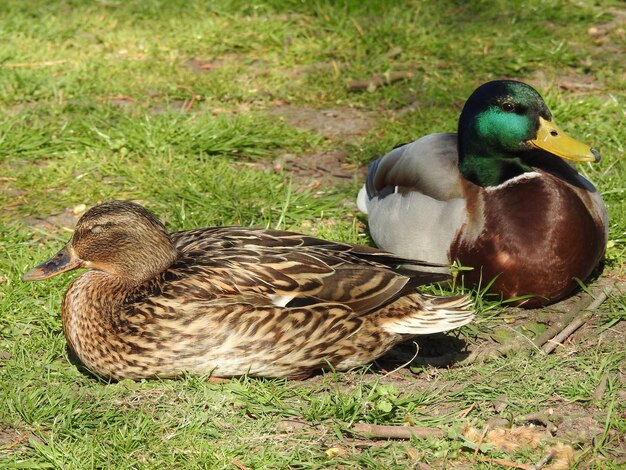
{"x": 467, "y": 411}
{"x": 193, "y": 99}
{"x": 387, "y": 373}
{"x": 15, "y": 443}
{"x": 122, "y": 98}
{"x": 261, "y": 73}
{"x": 557, "y": 341}
{"x": 294, "y": 424}
{"x": 577, "y": 321}
{"x": 482, "y": 354}
{"x": 417, "y": 350}
{"x": 239, "y": 465}
{"x": 539, "y": 465}
{"x": 217, "y": 380}
{"x": 45, "y": 63}
{"x": 395, "y": 432}
{"x": 369, "y": 431}
{"x": 409, "y": 108}
{"x": 598, "y": 393}
{"x": 585, "y": 303}
{"x": 7, "y": 178}
{"x": 505, "y": 463}
{"x": 481, "y": 439}
{"x": 379, "y": 80}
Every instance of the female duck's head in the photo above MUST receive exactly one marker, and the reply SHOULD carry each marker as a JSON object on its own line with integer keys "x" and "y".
{"x": 502, "y": 124}
{"x": 119, "y": 238}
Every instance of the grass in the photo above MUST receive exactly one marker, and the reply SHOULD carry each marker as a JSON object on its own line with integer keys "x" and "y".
{"x": 178, "y": 105}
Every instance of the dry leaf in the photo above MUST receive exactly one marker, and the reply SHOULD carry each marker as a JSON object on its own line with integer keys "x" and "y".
{"x": 336, "y": 452}
{"x": 79, "y": 209}
{"x": 564, "y": 457}
{"x": 507, "y": 440}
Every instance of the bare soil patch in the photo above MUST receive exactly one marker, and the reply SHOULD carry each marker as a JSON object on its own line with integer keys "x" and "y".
{"x": 10, "y": 437}
{"x": 57, "y": 222}
{"x": 320, "y": 166}
{"x": 323, "y": 169}
{"x": 334, "y": 124}
{"x": 612, "y": 34}
{"x": 569, "y": 80}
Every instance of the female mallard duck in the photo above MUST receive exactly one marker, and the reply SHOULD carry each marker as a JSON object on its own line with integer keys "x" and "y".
{"x": 496, "y": 197}
{"x": 230, "y": 301}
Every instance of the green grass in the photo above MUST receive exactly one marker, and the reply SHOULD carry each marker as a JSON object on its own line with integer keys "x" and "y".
{"x": 173, "y": 103}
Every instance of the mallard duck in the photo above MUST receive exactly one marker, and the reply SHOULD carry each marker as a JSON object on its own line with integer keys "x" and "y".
{"x": 230, "y": 301}
{"x": 497, "y": 197}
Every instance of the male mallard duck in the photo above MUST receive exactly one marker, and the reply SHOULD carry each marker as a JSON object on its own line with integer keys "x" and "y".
{"x": 497, "y": 197}
{"x": 230, "y": 301}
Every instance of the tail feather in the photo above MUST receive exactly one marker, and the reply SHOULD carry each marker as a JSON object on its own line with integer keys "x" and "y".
{"x": 436, "y": 315}
{"x": 362, "y": 200}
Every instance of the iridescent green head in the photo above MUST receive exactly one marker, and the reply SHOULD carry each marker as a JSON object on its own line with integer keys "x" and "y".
{"x": 502, "y": 124}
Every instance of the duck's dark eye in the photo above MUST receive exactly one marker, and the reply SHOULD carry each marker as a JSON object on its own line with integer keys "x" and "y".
{"x": 507, "y": 107}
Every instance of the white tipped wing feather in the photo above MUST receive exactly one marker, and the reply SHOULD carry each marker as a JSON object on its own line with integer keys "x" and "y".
{"x": 438, "y": 315}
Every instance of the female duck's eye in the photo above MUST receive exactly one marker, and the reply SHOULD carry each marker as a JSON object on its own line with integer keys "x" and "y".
{"x": 99, "y": 228}
{"x": 507, "y": 107}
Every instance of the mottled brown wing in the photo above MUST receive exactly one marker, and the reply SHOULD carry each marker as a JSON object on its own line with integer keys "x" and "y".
{"x": 291, "y": 270}
{"x": 202, "y": 241}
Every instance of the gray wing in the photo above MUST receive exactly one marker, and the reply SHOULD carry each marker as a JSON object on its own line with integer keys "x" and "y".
{"x": 429, "y": 166}
{"x": 289, "y": 269}
{"x": 414, "y": 198}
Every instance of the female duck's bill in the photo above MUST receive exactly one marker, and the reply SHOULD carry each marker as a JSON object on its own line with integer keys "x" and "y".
{"x": 63, "y": 261}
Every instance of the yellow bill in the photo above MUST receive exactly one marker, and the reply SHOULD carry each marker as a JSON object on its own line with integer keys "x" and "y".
{"x": 552, "y": 139}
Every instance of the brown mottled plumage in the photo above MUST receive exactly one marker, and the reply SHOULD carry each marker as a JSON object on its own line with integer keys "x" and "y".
{"x": 230, "y": 301}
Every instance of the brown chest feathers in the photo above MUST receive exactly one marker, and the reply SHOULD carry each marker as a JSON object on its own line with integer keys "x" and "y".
{"x": 537, "y": 238}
